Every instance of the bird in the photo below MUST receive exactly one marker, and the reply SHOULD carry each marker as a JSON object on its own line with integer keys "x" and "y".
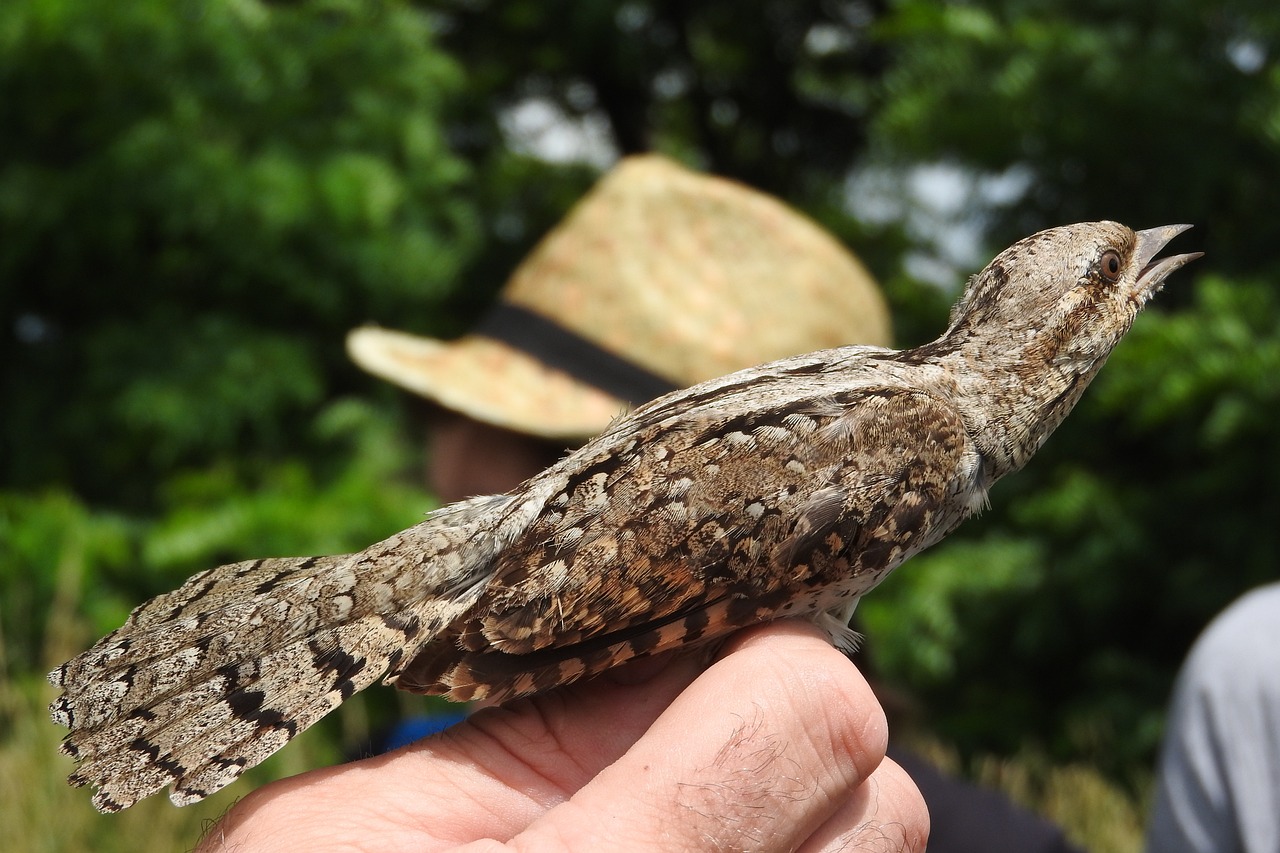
{"x": 784, "y": 490}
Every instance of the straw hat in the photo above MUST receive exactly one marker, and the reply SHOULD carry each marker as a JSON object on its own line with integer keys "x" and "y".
{"x": 657, "y": 279}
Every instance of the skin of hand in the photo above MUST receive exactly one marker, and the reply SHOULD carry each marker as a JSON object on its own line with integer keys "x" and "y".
{"x": 778, "y": 745}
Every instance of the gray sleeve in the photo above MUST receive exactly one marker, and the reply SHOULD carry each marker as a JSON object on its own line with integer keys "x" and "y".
{"x": 1218, "y": 785}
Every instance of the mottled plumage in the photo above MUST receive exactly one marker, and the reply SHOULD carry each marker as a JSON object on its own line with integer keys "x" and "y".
{"x": 788, "y": 489}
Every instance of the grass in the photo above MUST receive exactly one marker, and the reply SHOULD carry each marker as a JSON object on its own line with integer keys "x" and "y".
{"x": 42, "y": 814}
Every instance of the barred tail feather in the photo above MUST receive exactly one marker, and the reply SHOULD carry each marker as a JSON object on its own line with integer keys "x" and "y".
{"x": 202, "y": 739}
{"x": 207, "y": 681}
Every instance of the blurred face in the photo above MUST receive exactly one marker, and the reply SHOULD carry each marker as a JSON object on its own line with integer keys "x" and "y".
{"x": 467, "y": 458}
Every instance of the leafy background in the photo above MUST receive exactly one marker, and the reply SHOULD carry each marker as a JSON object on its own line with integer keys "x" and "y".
{"x": 198, "y": 199}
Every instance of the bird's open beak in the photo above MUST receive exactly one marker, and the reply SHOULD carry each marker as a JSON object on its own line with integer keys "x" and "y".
{"x": 1153, "y": 272}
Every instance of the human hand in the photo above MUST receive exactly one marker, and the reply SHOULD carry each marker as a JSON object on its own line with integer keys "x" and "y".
{"x": 779, "y": 745}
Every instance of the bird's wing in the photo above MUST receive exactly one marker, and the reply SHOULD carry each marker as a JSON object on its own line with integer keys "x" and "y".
{"x": 707, "y": 525}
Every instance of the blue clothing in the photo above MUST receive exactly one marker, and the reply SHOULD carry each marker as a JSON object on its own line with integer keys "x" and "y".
{"x": 416, "y": 728}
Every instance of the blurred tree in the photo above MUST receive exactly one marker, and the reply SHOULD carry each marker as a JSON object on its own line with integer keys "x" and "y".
{"x": 776, "y": 96}
{"x": 197, "y": 200}
{"x": 775, "y": 93}
{"x": 1065, "y": 611}
{"x": 1129, "y": 111}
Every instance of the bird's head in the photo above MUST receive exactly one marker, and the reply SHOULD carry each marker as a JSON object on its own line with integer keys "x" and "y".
{"x": 1065, "y": 295}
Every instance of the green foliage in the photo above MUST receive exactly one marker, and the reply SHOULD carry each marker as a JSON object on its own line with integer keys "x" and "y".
{"x": 917, "y": 630}
{"x": 759, "y": 95}
{"x": 197, "y": 201}
{"x": 1151, "y": 508}
{"x": 1143, "y": 112}
{"x": 51, "y": 545}
{"x": 775, "y": 93}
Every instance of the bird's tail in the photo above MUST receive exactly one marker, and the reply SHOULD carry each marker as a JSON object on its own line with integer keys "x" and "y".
{"x": 206, "y": 681}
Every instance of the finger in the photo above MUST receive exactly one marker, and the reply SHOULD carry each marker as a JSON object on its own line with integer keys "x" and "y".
{"x": 516, "y": 761}
{"x": 489, "y": 776}
{"x": 887, "y": 814}
{"x": 757, "y": 754}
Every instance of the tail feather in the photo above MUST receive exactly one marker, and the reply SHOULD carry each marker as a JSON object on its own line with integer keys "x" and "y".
{"x": 259, "y": 728}
{"x": 147, "y": 660}
{"x": 230, "y": 719}
{"x": 202, "y": 683}
{"x": 203, "y": 739}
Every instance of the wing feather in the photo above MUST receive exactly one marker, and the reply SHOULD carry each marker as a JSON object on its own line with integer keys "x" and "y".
{"x": 710, "y": 524}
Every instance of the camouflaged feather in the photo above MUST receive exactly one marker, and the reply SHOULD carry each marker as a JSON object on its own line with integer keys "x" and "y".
{"x": 789, "y": 489}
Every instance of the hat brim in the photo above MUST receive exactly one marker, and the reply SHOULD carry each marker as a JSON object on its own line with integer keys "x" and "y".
{"x": 486, "y": 380}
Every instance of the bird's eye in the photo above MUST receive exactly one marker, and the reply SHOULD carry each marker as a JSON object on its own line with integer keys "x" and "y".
{"x": 1111, "y": 265}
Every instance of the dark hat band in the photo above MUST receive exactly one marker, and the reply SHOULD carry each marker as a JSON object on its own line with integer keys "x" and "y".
{"x": 558, "y": 347}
